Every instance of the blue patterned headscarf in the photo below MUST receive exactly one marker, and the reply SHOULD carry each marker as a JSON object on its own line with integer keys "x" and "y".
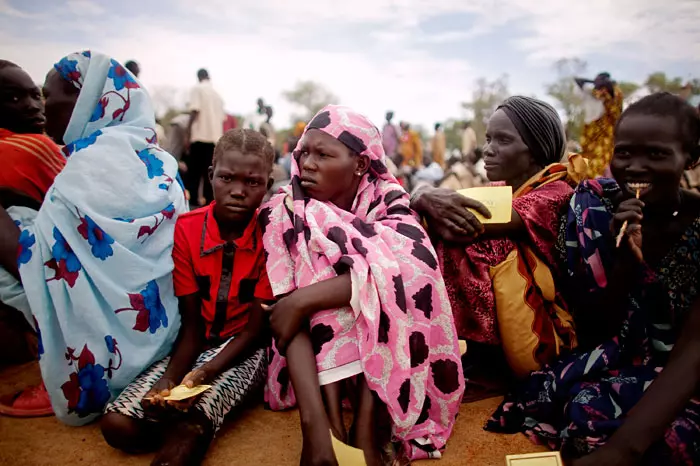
{"x": 95, "y": 260}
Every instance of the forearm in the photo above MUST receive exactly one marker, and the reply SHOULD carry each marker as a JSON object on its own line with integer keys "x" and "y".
{"x": 667, "y": 395}
{"x": 187, "y": 348}
{"x": 328, "y": 294}
{"x": 193, "y": 117}
{"x": 602, "y": 318}
{"x": 9, "y": 243}
{"x": 189, "y": 341}
{"x": 248, "y": 341}
{"x": 417, "y": 202}
{"x": 513, "y": 229}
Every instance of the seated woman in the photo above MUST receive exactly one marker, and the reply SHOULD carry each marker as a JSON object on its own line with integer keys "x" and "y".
{"x": 362, "y": 307}
{"x": 524, "y": 143}
{"x": 91, "y": 269}
{"x": 629, "y": 396}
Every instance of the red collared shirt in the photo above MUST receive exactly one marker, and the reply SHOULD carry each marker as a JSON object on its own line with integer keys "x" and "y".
{"x": 226, "y": 275}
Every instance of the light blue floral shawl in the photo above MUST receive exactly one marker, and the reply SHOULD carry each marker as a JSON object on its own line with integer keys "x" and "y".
{"x": 95, "y": 261}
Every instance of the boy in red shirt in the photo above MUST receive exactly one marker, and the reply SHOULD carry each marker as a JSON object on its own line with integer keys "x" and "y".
{"x": 221, "y": 282}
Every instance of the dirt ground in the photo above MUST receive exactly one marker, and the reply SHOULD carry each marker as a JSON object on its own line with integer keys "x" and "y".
{"x": 258, "y": 437}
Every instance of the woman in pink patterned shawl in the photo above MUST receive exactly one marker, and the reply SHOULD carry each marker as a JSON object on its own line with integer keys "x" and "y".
{"x": 363, "y": 309}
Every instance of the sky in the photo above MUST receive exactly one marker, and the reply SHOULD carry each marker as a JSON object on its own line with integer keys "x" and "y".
{"x": 419, "y": 58}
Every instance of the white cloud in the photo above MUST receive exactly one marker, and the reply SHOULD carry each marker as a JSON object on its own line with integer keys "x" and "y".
{"x": 8, "y": 10}
{"x": 85, "y": 8}
{"x": 261, "y": 47}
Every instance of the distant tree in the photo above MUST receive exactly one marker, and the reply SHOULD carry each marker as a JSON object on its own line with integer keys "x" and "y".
{"x": 628, "y": 88}
{"x": 659, "y": 82}
{"x": 168, "y": 100}
{"x": 486, "y": 97}
{"x": 453, "y": 134}
{"x": 311, "y": 97}
{"x": 567, "y": 94}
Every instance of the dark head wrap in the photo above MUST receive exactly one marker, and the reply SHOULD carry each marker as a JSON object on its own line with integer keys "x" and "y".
{"x": 540, "y": 127}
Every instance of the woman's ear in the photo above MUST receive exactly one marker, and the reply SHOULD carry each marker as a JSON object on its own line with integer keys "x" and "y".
{"x": 362, "y": 164}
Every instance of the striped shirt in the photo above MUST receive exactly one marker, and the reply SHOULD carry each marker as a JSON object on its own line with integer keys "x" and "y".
{"x": 30, "y": 162}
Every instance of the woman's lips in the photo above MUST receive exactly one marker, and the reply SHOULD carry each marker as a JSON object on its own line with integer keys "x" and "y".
{"x": 305, "y": 183}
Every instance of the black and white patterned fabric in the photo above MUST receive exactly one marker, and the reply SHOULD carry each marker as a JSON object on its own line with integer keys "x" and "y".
{"x": 227, "y": 391}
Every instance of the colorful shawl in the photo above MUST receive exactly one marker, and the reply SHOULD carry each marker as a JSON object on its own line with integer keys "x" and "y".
{"x": 96, "y": 260}
{"x": 598, "y": 138}
{"x": 30, "y": 163}
{"x": 578, "y": 402}
{"x": 539, "y": 202}
{"x": 400, "y": 314}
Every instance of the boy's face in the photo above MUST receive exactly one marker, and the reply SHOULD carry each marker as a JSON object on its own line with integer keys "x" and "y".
{"x": 240, "y": 182}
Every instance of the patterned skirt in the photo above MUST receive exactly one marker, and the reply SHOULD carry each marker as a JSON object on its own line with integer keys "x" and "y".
{"x": 227, "y": 392}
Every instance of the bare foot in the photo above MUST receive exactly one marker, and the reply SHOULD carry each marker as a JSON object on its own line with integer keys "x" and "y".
{"x": 186, "y": 444}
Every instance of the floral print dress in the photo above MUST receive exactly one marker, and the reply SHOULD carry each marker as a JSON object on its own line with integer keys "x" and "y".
{"x": 95, "y": 260}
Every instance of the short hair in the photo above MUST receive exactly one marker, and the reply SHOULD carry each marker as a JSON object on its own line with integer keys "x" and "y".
{"x": 246, "y": 141}
{"x": 7, "y": 64}
{"x": 671, "y": 106}
{"x": 438, "y": 126}
{"x": 131, "y": 65}
{"x": 202, "y": 74}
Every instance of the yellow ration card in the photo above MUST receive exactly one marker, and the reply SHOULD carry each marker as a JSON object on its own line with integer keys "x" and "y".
{"x": 550, "y": 458}
{"x": 181, "y": 392}
{"x": 498, "y": 199}
{"x": 347, "y": 455}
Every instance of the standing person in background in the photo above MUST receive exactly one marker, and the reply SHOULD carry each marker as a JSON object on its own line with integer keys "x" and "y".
{"x": 439, "y": 145}
{"x": 411, "y": 147}
{"x": 390, "y": 137}
{"x": 597, "y": 139}
{"x": 134, "y": 67}
{"x": 469, "y": 142}
{"x": 205, "y": 128}
{"x": 256, "y": 119}
{"x": 267, "y": 129}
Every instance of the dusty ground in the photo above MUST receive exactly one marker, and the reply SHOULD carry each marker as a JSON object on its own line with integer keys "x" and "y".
{"x": 258, "y": 437}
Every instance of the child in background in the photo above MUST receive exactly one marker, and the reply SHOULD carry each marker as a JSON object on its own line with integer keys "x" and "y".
{"x": 363, "y": 309}
{"x": 221, "y": 282}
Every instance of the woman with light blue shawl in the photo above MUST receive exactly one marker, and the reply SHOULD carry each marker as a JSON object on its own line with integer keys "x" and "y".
{"x": 95, "y": 261}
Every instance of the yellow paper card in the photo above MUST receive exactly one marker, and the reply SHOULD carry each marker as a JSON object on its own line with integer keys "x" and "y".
{"x": 498, "y": 199}
{"x": 462, "y": 347}
{"x": 347, "y": 455}
{"x": 550, "y": 458}
{"x": 181, "y": 392}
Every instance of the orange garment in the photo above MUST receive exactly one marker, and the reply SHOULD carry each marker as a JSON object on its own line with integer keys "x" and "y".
{"x": 439, "y": 147}
{"x": 597, "y": 140}
{"x": 411, "y": 149}
{"x": 30, "y": 162}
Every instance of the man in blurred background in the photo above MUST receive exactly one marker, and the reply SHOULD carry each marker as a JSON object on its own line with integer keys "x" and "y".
{"x": 205, "y": 127}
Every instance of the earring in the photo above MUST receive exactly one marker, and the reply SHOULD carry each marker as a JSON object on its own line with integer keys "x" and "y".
{"x": 358, "y": 173}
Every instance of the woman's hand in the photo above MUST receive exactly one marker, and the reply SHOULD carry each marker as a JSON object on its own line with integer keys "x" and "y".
{"x": 199, "y": 376}
{"x": 630, "y": 211}
{"x": 155, "y": 398}
{"x": 286, "y": 319}
{"x": 447, "y": 214}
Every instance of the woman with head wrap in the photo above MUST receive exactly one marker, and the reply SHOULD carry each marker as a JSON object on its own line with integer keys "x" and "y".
{"x": 363, "y": 308}
{"x": 524, "y": 144}
{"x": 91, "y": 269}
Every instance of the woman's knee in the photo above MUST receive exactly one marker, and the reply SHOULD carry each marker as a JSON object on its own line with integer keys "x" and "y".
{"x": 124, "y": 433}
